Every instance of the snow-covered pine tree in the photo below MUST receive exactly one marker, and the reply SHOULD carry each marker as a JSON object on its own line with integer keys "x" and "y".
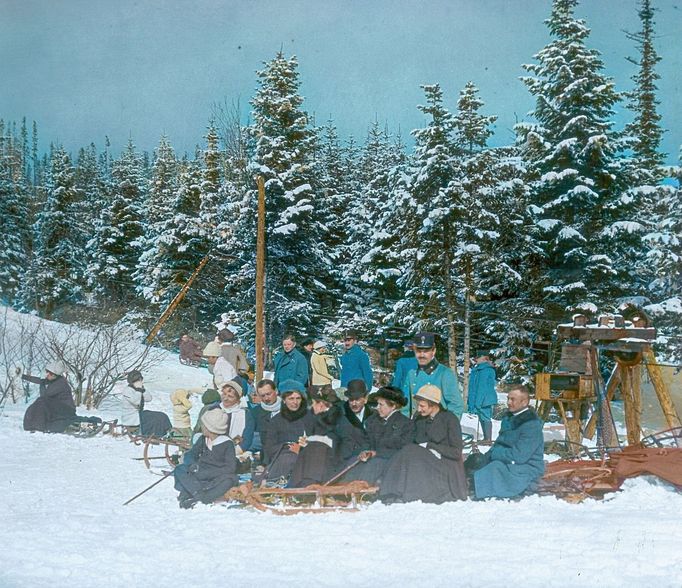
{"x": 116, "y": 247}
{"x": 14, "y": 220}
{"x": 576, "y": 178}
{"x": 57, "y": 266}
{"x": 283, "y": 156}
{"x": 368, "y": 276}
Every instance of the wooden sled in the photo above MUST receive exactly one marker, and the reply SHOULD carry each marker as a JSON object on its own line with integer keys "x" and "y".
{"x": 85, "y": 428}
{"x": 173, "y": 450}
{"x": 311, "y": 499}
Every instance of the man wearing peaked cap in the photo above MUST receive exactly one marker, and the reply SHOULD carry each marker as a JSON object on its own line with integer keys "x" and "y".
{"x": 404, "y": 364}
{"x": 430, "y": 371}
{"x": 355, "y": 362}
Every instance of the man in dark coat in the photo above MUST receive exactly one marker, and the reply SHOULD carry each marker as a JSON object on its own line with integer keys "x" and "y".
{"x": 352, "y": 426}
{"x": 430, "y": 469}
{"x": 55, "y": 410}
{"x": 515, "y": 460}
{"x": 388, "y": 431}
{"x": 269, "y": 406}
{"x": 290, "y": 363}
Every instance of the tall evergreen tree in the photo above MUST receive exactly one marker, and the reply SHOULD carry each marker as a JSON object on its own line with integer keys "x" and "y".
{"x": 576, "y": 178}
{"x": 56, "y": 272}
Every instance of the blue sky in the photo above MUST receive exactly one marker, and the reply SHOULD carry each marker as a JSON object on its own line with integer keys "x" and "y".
{"x": 84, "y": 69}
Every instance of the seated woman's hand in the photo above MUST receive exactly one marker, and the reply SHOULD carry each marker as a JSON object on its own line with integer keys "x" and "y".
{"x": 367, "y": 455}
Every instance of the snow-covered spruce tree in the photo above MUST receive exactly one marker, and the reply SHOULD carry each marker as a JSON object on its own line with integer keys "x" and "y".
{"x": 424, "y": 247}
{"x": 115, "y": 249}
{"x": 14, "y": 221}
{"x": 368, "y": 275}
{"x": 57, "y": 266}
{"x": 283, "y": 156}
{"x": 644, "y": 132}
{"x": 576, "y": 178}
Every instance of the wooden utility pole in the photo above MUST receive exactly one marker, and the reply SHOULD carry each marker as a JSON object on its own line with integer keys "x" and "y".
{"x": 260, "y": 281}
{"x": 170, "y": 309}
{"x": 467, "y": 331}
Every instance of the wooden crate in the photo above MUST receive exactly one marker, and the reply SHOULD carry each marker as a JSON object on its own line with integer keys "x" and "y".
{"x": 566, "y": 385}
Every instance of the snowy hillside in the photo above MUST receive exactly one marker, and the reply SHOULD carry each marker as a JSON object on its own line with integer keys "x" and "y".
{"x": 65, "y": 524}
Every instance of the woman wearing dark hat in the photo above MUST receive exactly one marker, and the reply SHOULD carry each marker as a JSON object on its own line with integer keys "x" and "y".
{"x": 151, "y": 423}
{"x": 430, "y": 469}
{"x": 286, "y": 428}
{"x": 318, "y": 457}
{"x": 388, "y": 431}
{"x": 211, "y": 466}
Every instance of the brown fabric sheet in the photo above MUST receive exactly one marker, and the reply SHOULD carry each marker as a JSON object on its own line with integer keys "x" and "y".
{"x": 664, "y": 462}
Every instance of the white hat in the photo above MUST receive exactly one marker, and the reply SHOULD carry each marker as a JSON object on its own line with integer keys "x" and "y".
{"x": 55, "y": 367}
{"x": 319, "y": 345}
{"x": 212, "y": 349}
{"x": 430, "y": 392}
{"x": 215, "y": 420}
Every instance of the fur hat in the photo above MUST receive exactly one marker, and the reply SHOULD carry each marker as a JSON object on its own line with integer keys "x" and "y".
{"x": 325, "y": 394}
{"x": 236, "y": 386}
{"x": 307, "y": 341}
{"x": 291, "y": 386}
{"x": 134, "y": 376}
{"x": 430, "y": 392}
{"x": 392, "y": 394}
{"x": 356, "y": 389}
{"x": 211, "y": 396}
{"x": 55, "y": 367}
{"x": 215, "y": 420}
{"x": 212, "y": 349}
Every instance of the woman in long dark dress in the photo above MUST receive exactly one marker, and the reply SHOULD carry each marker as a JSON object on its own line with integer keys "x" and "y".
{"x": 388, "y": 431}
{"x": 430, "y": 469}
{"x": 318, "y": 457}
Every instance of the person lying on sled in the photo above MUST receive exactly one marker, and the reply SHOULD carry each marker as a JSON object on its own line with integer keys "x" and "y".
{"x": 211, "y": 468}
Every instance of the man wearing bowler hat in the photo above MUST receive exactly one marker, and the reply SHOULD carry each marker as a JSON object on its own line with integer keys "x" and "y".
{"x": 430, "y": 371}
{"x": 351, "y": 427}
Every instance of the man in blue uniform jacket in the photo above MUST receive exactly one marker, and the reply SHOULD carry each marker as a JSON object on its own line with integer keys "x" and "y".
{"x": 482, "y": 395}
{"x": 355, "y": 362}
{"x": 429, "y": 371}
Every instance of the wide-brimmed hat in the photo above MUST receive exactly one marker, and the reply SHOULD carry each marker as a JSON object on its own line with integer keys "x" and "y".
{"x": 215, "y": 420}
{"x": 431, "y": 393}
{"x": 392, "y": 394}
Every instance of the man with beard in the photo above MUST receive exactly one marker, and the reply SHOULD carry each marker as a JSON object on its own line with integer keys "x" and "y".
{"x": 351, "y": 428}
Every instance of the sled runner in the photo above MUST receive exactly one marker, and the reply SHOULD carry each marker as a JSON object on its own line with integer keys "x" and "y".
{"x": 173, "y": 450}
{"x": 85, "y": 427}
{"x": 315, "y": 498}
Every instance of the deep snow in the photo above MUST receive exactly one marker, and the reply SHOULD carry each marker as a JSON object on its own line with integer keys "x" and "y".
{"x": 64, "y": 524}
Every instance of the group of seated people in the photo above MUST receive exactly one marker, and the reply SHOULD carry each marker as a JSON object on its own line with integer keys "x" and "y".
{"x": 311, "y": 437}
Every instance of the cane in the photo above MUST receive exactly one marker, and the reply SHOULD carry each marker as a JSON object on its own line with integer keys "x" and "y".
{"x": 166, "y": 475}
{"x": 343, "y": 472}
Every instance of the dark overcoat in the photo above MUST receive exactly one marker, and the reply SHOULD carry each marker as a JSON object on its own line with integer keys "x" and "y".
{"x": 352, "y": 433}
{"x": 55, "y": 410}
{"x": 284, "y": 428}
{"x": 430, "y": 469}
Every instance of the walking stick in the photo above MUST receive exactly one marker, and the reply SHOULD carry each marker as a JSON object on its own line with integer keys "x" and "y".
{"x": 166, "y": 475}
{"x": 342, "y": 473}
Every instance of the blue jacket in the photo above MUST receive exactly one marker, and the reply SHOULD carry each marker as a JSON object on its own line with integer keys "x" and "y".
{"x": 355, "y": 366}
{"x": 291, "y": 366}
{"x": 481, "y": 391}
{"x": 402, "y": 367}
{"x": 439, "y": 375}
{"x": 516, "y": 458}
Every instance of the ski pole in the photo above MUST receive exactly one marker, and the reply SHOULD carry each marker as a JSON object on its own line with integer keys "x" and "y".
{"x": 343, "y": 472}
{"x": 166, "y": 475}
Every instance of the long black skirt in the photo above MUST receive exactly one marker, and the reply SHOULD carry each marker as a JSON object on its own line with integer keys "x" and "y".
{"x": 370, "y": 471}
{"x": 315, "y": 465}
{"x": 206, "y": 491}
{"x": 154, "y": 423}
{"x": 414, "y": 473}
{"x": 48, "y": 416}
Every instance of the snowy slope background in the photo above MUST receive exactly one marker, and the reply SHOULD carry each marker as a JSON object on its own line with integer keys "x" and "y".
{"x": 64, "y": 522}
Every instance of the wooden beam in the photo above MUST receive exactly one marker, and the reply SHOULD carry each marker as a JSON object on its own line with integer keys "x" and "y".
{"x": 260, "y": 281}
{"x": 595, "y": 333}
{"x": 664, "y": 399}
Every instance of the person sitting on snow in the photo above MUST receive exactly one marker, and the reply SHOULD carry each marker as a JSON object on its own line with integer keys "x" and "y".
{"x": 151, "y": 423}
{"x": 190, "y": 350}
{"x": 55, "y": 410}
{"x": 515, "y": 460}
{"x": 211, "y": 468}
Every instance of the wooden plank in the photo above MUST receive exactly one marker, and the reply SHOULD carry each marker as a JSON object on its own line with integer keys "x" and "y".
{"x": 671, "y": 416}
{"x": 605, "y": 333}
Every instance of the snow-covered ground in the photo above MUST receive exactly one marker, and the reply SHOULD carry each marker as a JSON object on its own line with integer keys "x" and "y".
{"x": 64, "y": 524}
